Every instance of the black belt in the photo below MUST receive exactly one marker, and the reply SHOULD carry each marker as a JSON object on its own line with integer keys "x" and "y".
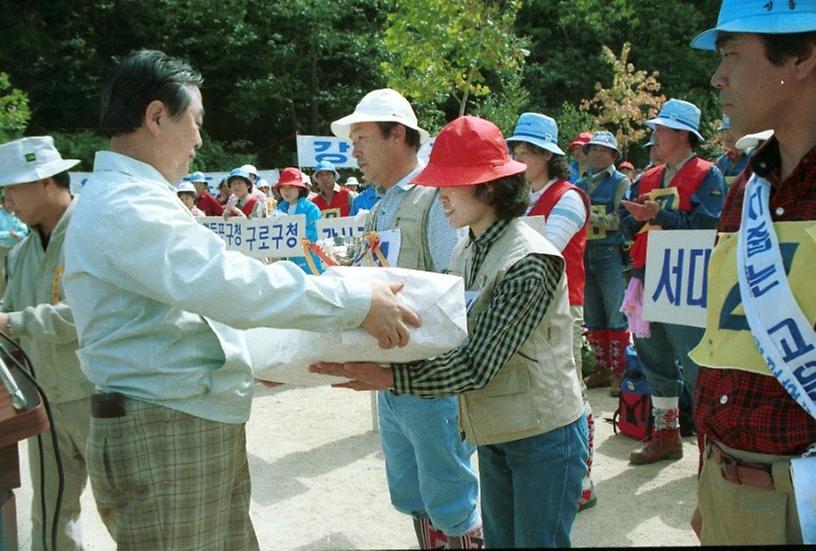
{"x": 106, "y": 406}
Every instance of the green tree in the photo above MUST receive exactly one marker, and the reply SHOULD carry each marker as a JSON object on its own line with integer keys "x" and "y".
{"x": 632, "y": 98}
{"x": 14, "y": 112}
{"x": 440, "y": 49}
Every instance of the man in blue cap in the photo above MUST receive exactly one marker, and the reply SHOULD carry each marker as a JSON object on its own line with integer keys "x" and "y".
{"x": 332, "y": 199}
{"x": 684, "y": 193}
{"x": 755, "y": 422}
{"x": 733, "y": 160}
{"x": 604, "y": 262}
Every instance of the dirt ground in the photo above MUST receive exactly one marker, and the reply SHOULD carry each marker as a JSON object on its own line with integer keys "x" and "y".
{"x": 319, "y": 482}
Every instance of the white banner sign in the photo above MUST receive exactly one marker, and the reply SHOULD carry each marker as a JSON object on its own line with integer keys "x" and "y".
{"x": 313, "y": 149}
{"x": 344, "y": 226}
{"x": 275, "y": 237}
{"x": 676, "y": 287}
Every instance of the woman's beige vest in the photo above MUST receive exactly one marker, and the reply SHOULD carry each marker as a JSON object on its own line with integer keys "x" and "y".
{"x": 537, "y": 390}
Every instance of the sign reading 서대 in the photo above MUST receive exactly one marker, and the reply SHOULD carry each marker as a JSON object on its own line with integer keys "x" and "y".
{"x": 276, "y": 237}
{"x": 676, "y": 284}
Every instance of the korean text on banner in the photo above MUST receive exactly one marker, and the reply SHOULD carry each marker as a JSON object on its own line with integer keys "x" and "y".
{"x": 275, "y": 237}
{"x": 676, "y": 285}
{"x": 284, "y": 355}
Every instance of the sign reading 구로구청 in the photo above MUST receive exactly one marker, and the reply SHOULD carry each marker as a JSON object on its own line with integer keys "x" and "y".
{"x": 675, "y": 289}
{"x": 275, "y": 237}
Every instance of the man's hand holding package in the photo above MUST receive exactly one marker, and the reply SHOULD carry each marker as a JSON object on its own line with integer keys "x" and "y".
{"x": 387, "y": 316}
{"x": 363, "y": 375}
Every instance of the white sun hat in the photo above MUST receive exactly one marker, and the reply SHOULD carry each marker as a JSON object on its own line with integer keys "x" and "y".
{"x": 31, "y": 159}
{"x": 383, "y": 105}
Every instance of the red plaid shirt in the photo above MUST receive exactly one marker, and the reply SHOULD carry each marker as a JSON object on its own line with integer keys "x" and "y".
{"x": 743, "y": 410}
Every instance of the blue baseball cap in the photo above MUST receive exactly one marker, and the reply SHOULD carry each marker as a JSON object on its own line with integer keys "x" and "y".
{"x": 726, "y": 123}
{"x": 679, "y": 115}
{"x": 604, "y": 138}
{"x": 328, "y": 166}
{"x": 537, "y": 129}
{"x": 761, "y": 17}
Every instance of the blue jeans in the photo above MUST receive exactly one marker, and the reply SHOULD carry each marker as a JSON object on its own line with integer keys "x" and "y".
{"x": 427, "y": 463}
{"x": 665, "y": 360}
{"x": 604, "y": 288}
{"x": 530, "y": 487}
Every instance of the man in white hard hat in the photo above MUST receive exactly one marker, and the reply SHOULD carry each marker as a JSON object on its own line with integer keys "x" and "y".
{"x": 158, "y": 301}
{"x": 755, "y": 403}
{"x": 35, "y": 179}
{"x": 428, "y": 464}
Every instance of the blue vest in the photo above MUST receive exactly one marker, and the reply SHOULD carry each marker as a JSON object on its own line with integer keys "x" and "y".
{"x": 604, "y": 195}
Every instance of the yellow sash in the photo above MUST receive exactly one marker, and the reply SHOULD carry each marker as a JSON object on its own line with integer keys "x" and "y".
{"x": 56, "y": 284}
{"x": 727, "y": 343}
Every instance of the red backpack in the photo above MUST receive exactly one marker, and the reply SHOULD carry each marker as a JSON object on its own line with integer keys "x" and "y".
{"x": 633, "y": 418}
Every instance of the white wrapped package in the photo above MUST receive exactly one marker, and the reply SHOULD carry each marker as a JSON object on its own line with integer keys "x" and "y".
{"x": 284, "y": 355}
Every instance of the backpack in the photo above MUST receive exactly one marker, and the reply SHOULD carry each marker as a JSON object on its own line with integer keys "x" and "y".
{"x": 633, "y": 418}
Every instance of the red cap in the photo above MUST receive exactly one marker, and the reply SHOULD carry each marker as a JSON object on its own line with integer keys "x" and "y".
{"x": 580, "y": 140}
{"x": 290, "y": 176}
{"x": 626, "y": 164}
{"x": 468, "y": 151}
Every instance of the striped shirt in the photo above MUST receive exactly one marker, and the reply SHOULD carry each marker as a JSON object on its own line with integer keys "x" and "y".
{"x": 517, "y": 306}
{"x": 566, "y": 218}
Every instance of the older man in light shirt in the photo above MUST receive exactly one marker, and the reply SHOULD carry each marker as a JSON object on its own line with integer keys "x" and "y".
{"x": 167, "y": 451}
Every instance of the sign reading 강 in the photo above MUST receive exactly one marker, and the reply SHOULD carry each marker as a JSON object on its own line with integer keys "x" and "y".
{"x": 676, "y": 282}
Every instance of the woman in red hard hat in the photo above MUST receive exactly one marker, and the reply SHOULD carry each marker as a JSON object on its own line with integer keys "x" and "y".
{"x": 519, "y": 394}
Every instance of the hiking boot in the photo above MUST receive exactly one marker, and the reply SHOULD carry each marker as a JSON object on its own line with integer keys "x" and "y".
{"x": 661, "y": 444}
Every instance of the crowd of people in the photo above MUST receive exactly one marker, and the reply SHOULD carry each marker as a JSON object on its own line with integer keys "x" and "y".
{"x": 151, "y": 387}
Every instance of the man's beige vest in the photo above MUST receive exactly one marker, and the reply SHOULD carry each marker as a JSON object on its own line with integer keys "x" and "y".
{"x": 537, "y": 390}
{"x": 412, "y": 220}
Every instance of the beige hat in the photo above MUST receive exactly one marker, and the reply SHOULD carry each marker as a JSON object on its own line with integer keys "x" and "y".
{"x": 752, "y": 140}
{"x": 185, "y": 186}
{"x": 31, "y": 159}
{"x": 383, "y": 105}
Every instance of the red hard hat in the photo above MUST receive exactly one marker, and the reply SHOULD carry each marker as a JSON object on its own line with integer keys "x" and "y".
{"x": 580, "y": 140}
{"x": 468, "y": 151}
{"x": 291, "y": 176}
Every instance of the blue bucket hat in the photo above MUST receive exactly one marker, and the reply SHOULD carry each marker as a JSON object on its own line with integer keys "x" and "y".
{"x": 537, "y": 129}
{"x": 679, "y": 115}
{"x": 604, "y": 138}
{"x": 328, "y": 166}
{"x": 196, "y": 177}
{"x": 239, "y": 173}
{"x": 761, "y": 17}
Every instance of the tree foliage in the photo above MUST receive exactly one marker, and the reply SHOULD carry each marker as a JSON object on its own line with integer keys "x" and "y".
{"x": 14, "y": 113}
{"x": 274, "y": 69}
{"x": 632, "y": 98}
{"x": 440, "y": 49}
